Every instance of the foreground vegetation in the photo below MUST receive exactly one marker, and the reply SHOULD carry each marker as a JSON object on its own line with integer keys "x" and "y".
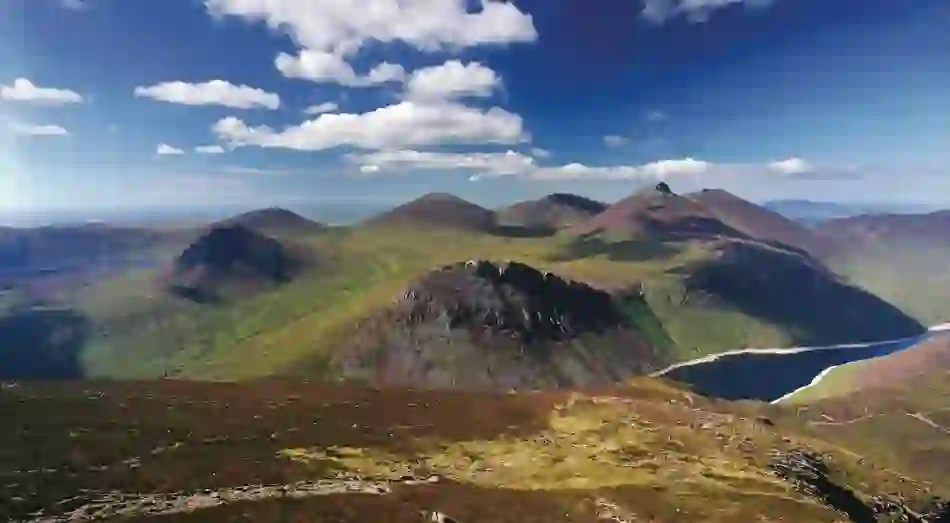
{"x": 645, "y": 451}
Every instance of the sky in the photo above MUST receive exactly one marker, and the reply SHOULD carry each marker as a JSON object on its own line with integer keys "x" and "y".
{"x": 130, "y": 104}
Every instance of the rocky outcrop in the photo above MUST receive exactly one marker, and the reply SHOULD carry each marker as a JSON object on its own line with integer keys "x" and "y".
{"x": 488, "y": 325}
{"x": 511, "y": 297}
{"x": 811, "y": 475}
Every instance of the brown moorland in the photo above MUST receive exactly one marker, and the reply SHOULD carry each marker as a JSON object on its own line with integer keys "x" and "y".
{"x": 438, "y": 210}
{"x": 554, "y": 211}
{"x": 646, "y": 451}
{"x": 274, "y": 219}
{"x": 760, "y": 223}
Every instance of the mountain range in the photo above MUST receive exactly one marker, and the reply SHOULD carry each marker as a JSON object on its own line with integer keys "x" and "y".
{"x": 469, "y": 363}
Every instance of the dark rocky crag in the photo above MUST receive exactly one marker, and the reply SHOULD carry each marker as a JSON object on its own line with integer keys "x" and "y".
{"x": 481, "y": 324}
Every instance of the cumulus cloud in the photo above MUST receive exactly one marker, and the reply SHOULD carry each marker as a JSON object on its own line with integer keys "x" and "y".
{"x": 74, "y": 5}
{"x": 538, "y": 152}
{"x": 512, "y": 163}
{"x": 656, "y": 116}
{"x": 344, "y": 27}
{"x": 325, "y": 107}
{"x": 498, "y": 164}
{"x": 406, "y": 124}
{"x": 791, "y": 166}
{"x": 452, "y": 80}
{"x": 165, "y": 149}
{"x": 329, "y": 67}
{"x": 215, "y": 92}
{"x": 209, "y": 149}
{"x": 660, "y": 11}
{"x": 38, "y": 130}
{"x": 614, "y": 140}
{"x": 23, "y": 90}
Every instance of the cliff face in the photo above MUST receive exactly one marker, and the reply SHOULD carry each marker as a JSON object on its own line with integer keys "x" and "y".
{"x": 481, "y": 324}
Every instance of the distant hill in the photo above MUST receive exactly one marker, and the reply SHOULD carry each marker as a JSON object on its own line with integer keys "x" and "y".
{"x": 482, "y": 324}
{"x": 810, "y": 212}
{"x": 438, "y": 210}
{"x": 63, "y": 247}
{"x": 554, "y": 211}
{"x": 273, "y": 219}
{"x": 760, "y": 223}
{"x": 232, "y": 260}
{"x": 869, "y": 230}
{"x": 658, "y": 214}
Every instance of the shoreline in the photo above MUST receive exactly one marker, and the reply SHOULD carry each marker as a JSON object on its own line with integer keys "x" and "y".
{"x": 792, "y": 350}
{"x": 815, "y": 381}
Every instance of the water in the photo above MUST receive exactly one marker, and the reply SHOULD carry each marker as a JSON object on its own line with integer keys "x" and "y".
{"x": 768, "y": 375}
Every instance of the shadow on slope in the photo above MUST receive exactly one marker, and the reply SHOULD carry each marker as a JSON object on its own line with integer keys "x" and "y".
{"x": 788, "y": 289}
{"x": 42, "y": 344}
{"x": 232, "y": 261}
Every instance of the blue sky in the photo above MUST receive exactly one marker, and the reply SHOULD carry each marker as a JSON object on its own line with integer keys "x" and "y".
{"x": 826, "y": 99}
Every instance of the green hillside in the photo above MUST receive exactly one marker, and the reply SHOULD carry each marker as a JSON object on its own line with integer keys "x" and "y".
{"x": 144, "y": 332}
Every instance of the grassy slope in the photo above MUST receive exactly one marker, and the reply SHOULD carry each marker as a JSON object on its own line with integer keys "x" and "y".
{"x": 880, "y": 422}
{"x": 273, "y": 332}
{"x": 645, "y": 452}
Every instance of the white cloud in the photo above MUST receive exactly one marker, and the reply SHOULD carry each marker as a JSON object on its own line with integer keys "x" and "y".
{"x": 215, "y": 92}
{"x": 538, "y": 152}
{"x": 74, "y": 5}
{"x": 23, "y": 90}
{"x": 659, "y": 11}
{"x": 656, "y": 116}
{"x": 512, "y": 163}
{"x": 329, "y": 67}
{"x": 257, "y": 171}
{"x": 209, "y": 149}
{"x": 498, "y": 164}
{"x": 406, "y": 124}
{"x": 325, "y": 107}
{"x": 614, "y": 140}
{"x": 343, "y": 27}
{"x": 38, "y": 130}
{"x": 452, "y": 80}
{"x": 653, "y": 171}
{"x": 791, "y": 166}
{"x": 165, "y": 149}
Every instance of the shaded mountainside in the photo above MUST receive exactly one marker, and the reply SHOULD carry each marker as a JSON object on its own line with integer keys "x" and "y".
{"x": 438, "y": 210}
{"x": 42, "y": 344}
{"x": 902, "y": 258}
{"x": 762, "y": 224}
{"x": 554, "y": 211}
{"x": 230, "y": 261}
{"x": 481, "y": 324}
{"x": 799, "y": 293}
{"x": 656, "y": 214}
{"x": 270, "y": 451}
{"x": 26, "y": 251}
{"x": 273, "y": 219}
